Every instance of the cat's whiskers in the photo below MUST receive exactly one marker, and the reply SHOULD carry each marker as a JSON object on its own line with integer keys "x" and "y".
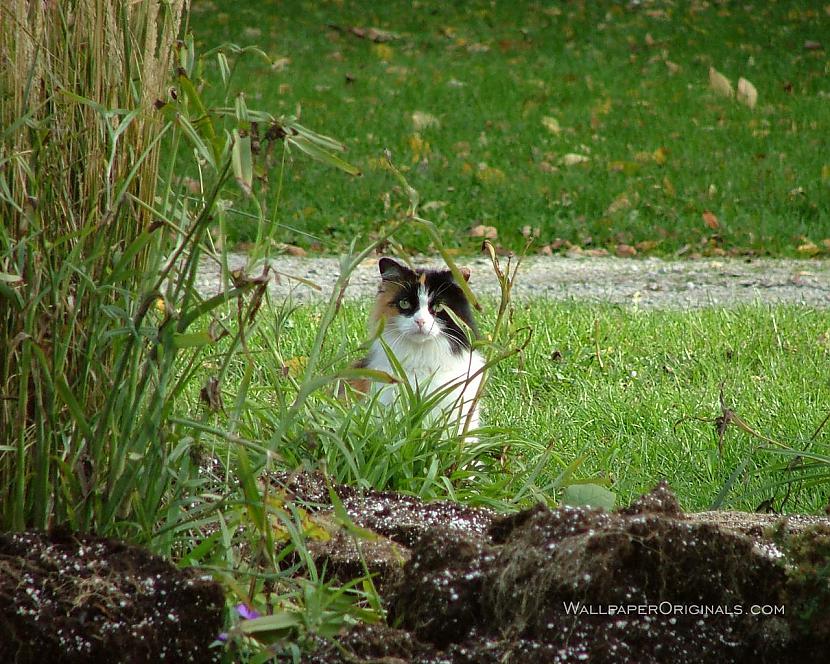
{"x": 440, "y": 291}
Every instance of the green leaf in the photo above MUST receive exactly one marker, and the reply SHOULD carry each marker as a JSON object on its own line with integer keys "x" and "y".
{"x": 203, "y": 149}
{"x": 202, "y": 122}
{"x": 191, "y": 339}
{"x": 275, "y": 623}
{"x": 314, "y": 151}
{"x": 589, "y": 495}
{"x": 351, "y": 373}
{"x": 224, "y": 68}
{"x": 125, "y": 260}
{"x": 242, "y": 161}
{"x": 74, "y": 407}
{"x": 325, "y": 142}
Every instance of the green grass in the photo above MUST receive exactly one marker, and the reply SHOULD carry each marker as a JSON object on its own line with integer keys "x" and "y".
{"x": 630, "y": 419}
{"x": 491, "y": 72}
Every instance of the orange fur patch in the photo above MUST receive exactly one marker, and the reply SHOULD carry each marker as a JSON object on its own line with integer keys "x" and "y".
{"x": 384, "y": 309}
{"x": 360, "y": 386}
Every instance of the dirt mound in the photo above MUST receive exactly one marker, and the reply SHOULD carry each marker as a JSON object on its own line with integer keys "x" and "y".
{"x": 646, "y": 583}
{"x": 643, "y": 584}
{"x": 398, "y": 522}
{"x": 78, "y": 598}
{"x": 401, "y": 518}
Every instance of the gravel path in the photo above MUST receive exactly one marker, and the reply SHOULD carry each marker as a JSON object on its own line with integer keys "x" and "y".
{"x": 650, "y": 282}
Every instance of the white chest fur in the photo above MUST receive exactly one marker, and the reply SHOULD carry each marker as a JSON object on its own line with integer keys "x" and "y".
{"x": 431, "y": 366}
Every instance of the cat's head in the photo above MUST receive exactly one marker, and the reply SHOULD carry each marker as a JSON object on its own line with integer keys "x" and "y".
{"x": 415, "y": 305}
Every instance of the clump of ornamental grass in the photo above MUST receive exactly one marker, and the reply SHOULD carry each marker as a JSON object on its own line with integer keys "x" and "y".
{"x": 81, "y": 153}
{"x": 113, "y": 172}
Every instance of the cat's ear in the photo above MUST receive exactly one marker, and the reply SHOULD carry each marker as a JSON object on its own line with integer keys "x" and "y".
{"x": 392, "y": 270}
{"x": 465, "y": 272}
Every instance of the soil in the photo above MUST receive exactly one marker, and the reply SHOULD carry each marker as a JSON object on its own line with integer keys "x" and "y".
{"x": 647, "y": 583}
{"x": 78, "y": 598}
{"x": 646, "y": 282}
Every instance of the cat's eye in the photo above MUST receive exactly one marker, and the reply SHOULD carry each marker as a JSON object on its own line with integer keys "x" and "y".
{"x": 438, "y": 308}
{"x": 404, "y": 304}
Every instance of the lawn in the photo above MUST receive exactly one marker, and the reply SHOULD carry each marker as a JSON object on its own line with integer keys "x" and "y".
{"x": 624, "y": 396}
{"x": 588, "y": 123}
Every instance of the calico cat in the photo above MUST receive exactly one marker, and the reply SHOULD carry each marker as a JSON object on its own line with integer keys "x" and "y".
{"x": 414, "y": 306}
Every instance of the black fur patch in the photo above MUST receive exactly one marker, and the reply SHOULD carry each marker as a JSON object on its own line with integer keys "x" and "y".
{"x": 400, "y": 283}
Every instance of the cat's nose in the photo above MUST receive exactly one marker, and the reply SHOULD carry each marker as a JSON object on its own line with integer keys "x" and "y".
{"x": 420, "y": 322}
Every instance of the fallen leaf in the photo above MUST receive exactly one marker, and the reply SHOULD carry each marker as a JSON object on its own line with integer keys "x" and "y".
{"x": 602, "y": 107}
{"x": 423, "y": 120}
{"x": 461, "y": 149}
{"x": 808, "y": 248}
{"x": 621, "y": 202}
{"x": 668, "y": 187}
{"x": 747, "y": 94}
{"x": 374, "y": 34}
{"x": 572, "y": 159}
{"x": 599, "y": 252}
{"x": 294, "y": 366}
{"x": 625, "y": 167}
{"x": 711, "y": 220}
{"x": 660, "y": 155}
{"x": 419, "y": 147}
{"x": 383, "y": 51}
{"x": 294, "y": 250}
{"x": 672, "y": 67}
{"x": 825, "y": 172}
{"x": 625, "y": 250}
{"x": 486, "y": 232}
{"x": 826, "y": 243}
{"x": 719, "y": 83}
{"x": 531, "y": 231}
{"x": 551, "y": 124}
{"x": 477, "y": 48}
{"x": 647, "y": 245}
{"x": 812, "y": 45}
{"x": 490, "y": 174}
